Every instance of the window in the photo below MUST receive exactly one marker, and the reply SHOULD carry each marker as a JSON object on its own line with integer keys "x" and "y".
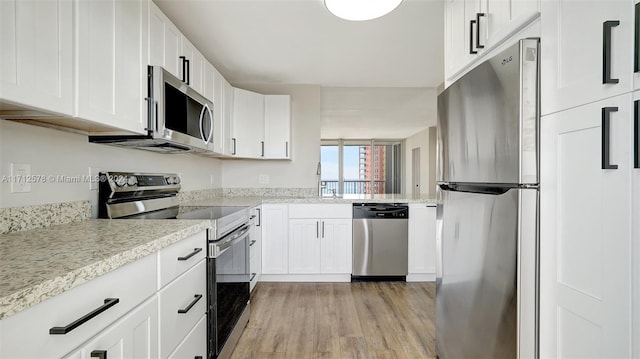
{"x": 361, "y": 167}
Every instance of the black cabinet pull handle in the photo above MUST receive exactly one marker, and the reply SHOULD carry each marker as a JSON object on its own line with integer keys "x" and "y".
{"x": 188, "y": 71}
{"x": 322, "y": 229}
{"x": 195, "y": 251}
{"x": 198, "y": 357}
{"x": 478, "y": 16}
{"x": 100, "y": 354}
{"x": 233, "y": 152}
{"x": 253, "y": 275}
{"x": 471, "y": 50}
{"x": 108, "y": 303}
{"x": 252, "y": 243}
{"x": 262, "y": 145}
{"x": 606, "y": 119}
{"x": 259, "y": 217}
{"x": 636, "y": 54}
{"x": 188, "y": 308}
{"x": 286, "y": 149}
{"x": 606, "y": 51}
{"x": 317, "y": 229}
{"x": 184, "y": 68}
{"x": 636, "y": 134}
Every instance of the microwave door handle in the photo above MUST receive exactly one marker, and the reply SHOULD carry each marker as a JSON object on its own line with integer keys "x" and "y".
{"x": 210, "y": 122}
{"x": 201, "y": 118}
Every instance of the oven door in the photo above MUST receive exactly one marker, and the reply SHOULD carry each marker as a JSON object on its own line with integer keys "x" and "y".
{"x": 229, "y": 257}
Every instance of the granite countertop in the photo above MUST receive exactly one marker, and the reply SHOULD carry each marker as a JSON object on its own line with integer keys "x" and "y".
{"x": 38, "y": 264}
{"x": 252, "y": 201}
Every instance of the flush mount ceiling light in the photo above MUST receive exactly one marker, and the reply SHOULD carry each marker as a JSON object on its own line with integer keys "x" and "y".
{"x": 360, "y": 10}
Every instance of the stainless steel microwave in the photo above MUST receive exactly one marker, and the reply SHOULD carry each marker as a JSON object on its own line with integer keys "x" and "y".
{"x": 179, "y": 118}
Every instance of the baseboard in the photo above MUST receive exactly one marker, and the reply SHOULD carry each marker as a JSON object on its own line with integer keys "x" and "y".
{"x": 421, "y": 277}
{"x": 305, "y": 278}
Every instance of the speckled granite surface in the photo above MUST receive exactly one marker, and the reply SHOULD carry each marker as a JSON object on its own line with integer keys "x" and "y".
{"x": 252, "y": 201}
{"x": 31, "y": 217}
{"x": 270, "y": 192}
{"x": 199, "y": 194}
{"x": 41, "y": 263}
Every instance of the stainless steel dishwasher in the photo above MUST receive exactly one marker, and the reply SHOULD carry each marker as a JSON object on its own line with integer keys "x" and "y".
{"x": 380, "y": 241}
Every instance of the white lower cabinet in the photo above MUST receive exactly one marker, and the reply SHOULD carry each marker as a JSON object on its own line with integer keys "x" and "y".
{"x": 195, "y": 344}
{"x": 27, "y": 334}
{"x": 275, "y": 239}
{"x": 134, "y": 336}
{"x": 585, "y": 231}
{"x": 320, "y": 245}
{"x": 255, "y": 247}
{"x": 182, "y": 304}
{"x": 422, "y": 242}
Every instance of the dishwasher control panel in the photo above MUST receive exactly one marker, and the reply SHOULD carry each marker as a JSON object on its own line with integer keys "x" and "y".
{"x": 380, "y": 210}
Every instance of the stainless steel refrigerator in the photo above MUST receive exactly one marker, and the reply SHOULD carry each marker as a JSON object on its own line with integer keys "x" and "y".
{"x": 487, "y": 209}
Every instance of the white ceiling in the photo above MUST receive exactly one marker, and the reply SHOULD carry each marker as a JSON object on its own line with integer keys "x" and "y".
{"x": 301, "y": 42}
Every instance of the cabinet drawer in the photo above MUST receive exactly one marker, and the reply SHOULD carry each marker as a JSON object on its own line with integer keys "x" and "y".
{"x": 195, "y": 344}
{"x": 182, "y": 295}
{"x": 26, "y": 334}
{"x": 320, "y": 210}
{"x": 133, "y": 336}
{"x": 177, "y": 258}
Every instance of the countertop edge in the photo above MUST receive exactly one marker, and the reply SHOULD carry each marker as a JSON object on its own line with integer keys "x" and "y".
{"x": 28, "y": 297}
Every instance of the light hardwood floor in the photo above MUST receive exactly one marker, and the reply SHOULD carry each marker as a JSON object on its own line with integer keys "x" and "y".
{"x": 340, "y": 320}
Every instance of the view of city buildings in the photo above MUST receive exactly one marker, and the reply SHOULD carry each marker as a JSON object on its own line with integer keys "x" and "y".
{"x": 372, "y": 166}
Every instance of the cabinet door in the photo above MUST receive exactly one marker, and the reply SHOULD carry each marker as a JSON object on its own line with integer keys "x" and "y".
{"x": 195, "y": 344}
{"x": 574, "y": 47}
{"x": 459, "y": 37}
{"x": 111, "y": 83}
{"x": 277, "y": 126}
{"x": 248, "y": 123}
{"x": 636, "y": 47}
{"x": 227, "y": 119}
{"x": 422, "y": 241}
{"x": 134, "y": 336}
{"x": 336, "y": 247}
{"x": 585, "y": 233}
{"x": 164, "y": 41}
{"x": 275, "y": 252}
{"x": 304, "y": 246}
{"x": 36, "y": 38}
{"x": 195, "y": 66}
{"x": 503, "y": 17}
{"x": 217, "y": 97}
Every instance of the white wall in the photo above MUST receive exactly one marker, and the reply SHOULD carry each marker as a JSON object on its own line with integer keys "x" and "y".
{"x": 419, "y": 140}
{"x": 300, "y": 172}
{"x": 54, "y": 152}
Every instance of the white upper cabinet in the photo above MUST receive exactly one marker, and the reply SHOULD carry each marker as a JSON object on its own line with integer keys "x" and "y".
{"x": 473, "y": 27}
{"x": 587, "y": 49}
{"x": 248, "y": 124}
{"x": 36, "y": 56}
{"x": 277, "y": 126}
{"x": 193, "y": 66}
{"x": 164, "y": 42}
{"x": 213, "y": 90}
{"x": 636, "y": 50}
{"x": 111, "y": 82}
{"x": 229, "y": 145}
{"x": 460, "y": 47}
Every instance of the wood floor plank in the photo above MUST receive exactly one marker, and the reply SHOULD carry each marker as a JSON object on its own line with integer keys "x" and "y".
{"x": 340, "y": 320}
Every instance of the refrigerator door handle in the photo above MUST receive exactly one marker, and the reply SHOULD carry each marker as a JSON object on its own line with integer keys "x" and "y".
{"x": 606, "y": 124}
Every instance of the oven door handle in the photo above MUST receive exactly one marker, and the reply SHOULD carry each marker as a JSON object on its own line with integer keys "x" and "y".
{"x": 217, "y": 249}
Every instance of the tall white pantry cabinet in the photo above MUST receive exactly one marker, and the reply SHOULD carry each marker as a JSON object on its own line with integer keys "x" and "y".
{"x": 590, "y": 180}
